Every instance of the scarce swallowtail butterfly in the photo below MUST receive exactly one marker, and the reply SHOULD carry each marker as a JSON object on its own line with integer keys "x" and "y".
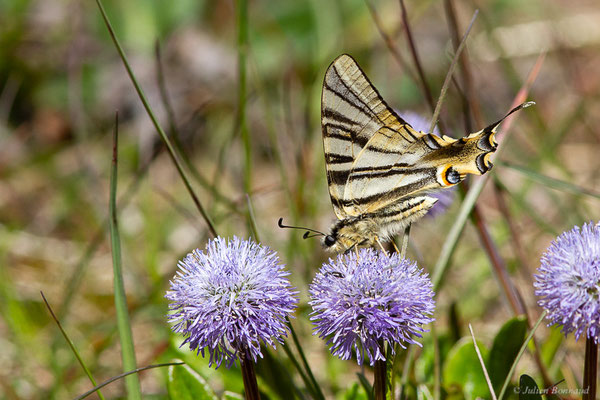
{"x": 380, "y": 170}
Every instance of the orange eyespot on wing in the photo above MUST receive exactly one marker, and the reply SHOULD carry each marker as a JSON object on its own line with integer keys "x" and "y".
{"x": 449, "y": 176}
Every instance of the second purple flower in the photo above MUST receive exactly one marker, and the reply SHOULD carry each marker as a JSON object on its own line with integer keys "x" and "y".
{"x": 360, "y": 302}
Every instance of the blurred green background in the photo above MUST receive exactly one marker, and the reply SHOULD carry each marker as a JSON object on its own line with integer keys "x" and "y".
{"x": 61, "y": 82}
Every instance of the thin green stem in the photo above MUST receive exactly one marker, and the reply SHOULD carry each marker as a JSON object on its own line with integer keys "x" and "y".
{"x": 123, "y": 375}
{"x": 438, "y": 107}
{"x": 252, "y": 219}
{"x": 410, "y": 353}
{"x": 309, "y": 384}
{"x": 98, "y": 238}
{"x": 315, "y": 384}
{"x": 161, "y": 132}
{"x": 437, "y": 368}
{"x": 123, "y": 323}
{"x": 242, "y": 47}
{"x": 72, "y": 346}
{"x": 390, "y": 359}
{"x": 485, "y": 373}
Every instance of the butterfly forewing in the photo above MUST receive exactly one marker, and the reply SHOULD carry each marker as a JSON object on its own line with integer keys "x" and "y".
{"x": 361, "y": 136}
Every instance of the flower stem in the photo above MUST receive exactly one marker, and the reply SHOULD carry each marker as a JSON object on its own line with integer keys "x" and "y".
{"x": 590, "y": 369}
{"x": 249, "y": 377}
{"x": 380, "y": 381}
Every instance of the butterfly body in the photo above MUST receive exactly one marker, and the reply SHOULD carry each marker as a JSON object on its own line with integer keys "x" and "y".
{"x": 379, "y": 169}
{"x": 365, "y": 229}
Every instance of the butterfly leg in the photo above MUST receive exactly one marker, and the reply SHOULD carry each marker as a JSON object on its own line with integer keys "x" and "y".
{"x": 380, "y": 245}
{"x": 395, "y": 247}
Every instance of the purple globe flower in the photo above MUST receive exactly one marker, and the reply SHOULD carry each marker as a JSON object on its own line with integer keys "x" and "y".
{"x": 359, "y": 303}
{"x": 231, "y": 298}
{"x": 568, "y": 281}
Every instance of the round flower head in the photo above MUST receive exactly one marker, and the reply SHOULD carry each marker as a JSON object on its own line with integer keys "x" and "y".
{"x": 231, "y": 298}
{"x": 568, "y": 281}
{"x": 360, "y": 302}
{"x": 445, "y": 197}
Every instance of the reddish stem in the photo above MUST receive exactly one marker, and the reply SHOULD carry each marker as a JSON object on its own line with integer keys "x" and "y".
{"x": 249, "y": 377}
{"x": 590, "y": 369}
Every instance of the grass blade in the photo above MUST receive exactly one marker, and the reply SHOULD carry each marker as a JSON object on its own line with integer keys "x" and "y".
{"x": 315, "y": 385}
{"x": 438, "y": 107}
{"x": 551, "y": 182}
{"x": 485, "y": 373}
{"x": 123, "y": 324}
{"x": 124, "y": 375}
{"x": 72, "y": 346}
{"x": 242, "y": 48}
{"x": 161, "y": 132}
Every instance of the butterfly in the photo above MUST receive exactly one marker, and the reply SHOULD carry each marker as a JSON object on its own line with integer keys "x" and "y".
{"x": 380, "y": 171}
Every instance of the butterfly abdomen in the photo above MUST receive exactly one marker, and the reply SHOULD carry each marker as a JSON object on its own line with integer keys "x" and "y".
{"x": 366, "y": 229}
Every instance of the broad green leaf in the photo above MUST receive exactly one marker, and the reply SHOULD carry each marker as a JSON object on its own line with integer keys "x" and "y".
{"x": 551, "y": 345}
{"x": 528, "y": 389}
{"x": 273, "y": 377}
{"x": 462, "y": 368}
{"x": 186, "y": 384}
{"x": 365, "y": 384}
{"x": 424, "y": 365}
{"x": 506, "y": 346}
{"x": 354, "y": 392}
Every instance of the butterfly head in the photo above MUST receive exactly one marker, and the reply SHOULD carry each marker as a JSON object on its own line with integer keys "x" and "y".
{"x": 332, "y": 242}
{"x": 329, "y": 240}
{"x": 351, "y": 232}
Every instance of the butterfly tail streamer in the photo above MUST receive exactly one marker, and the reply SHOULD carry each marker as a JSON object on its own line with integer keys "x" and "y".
{"x": 494, "y": 126}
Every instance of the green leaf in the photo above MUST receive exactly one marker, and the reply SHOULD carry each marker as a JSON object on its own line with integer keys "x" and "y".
{"x": 462, "y": 368}
{"x": 506, "y": 346}
{"x": 354, "y": 392}
{"x": 365, "y": 384}
{"x": 424, "y": 364}
{"x": 186, "y": 384}
{"x": 551, "y": 345}
{"x": 274, "y": 377}
{"x": 528, "y": 389}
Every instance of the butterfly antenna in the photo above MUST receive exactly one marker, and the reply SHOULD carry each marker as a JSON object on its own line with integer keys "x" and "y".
{"x": 306, "y": 235}
{"x": 493, "y": 126}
